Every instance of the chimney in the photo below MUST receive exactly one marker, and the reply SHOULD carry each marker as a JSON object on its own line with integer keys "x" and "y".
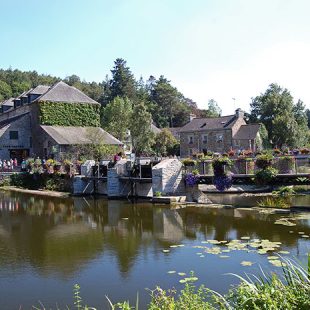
{"x": 191, "y": 117}
{"x": 239, "y": 113}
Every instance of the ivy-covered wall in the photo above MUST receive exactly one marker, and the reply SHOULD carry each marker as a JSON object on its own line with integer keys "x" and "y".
{"x": 69, "y": 114}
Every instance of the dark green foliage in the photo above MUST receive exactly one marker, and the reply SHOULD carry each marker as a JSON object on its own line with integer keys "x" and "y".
{"x": 266, "y": 176}
{"x": 53, "y": 182}
{"x": 285, "y": 121}
{"x": 66, "y": 114}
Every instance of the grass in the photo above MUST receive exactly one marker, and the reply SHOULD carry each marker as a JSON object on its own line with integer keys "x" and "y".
{"x": 290, "y": 291}
{"x": 277, "y": 202}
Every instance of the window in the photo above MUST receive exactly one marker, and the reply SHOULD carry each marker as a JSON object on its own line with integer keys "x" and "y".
{"x": 13, "y": 135}
{"x": 219, "y": 138}
{"x": 190, "y": 139}
{"x": 205, "y": 139}
{"x": 237, "y": 142}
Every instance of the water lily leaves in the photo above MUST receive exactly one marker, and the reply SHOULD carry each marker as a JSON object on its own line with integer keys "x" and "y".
{"x": 166, "y": 251}
{"x": 246, "y": 263}
{"x": 224, "y": 256}
{"x": 202, "y": 256}
{"x": 190, "y": 279}
{"x": 277, "y": 263}
{"x": 284, "y": 252}
{"x": 261, "y": 251}
{"x": 272, "y": 257}
{"x": 124, "y": 218}
{"x": 171, "y": 271}
{"x": 245, "y": 238}
{"x": 214, "y": 241}
{"x": 214, "y": 250}
{"x": 301, "y": 232}
{"x": 226, "y": 251}
{"x": 305, "y": 236}
{"x": 182, "y": 274}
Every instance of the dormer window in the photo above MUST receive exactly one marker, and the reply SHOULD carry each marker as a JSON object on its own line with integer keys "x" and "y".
{"x": 203, "y": 125}
{"x": 190, "y": 139}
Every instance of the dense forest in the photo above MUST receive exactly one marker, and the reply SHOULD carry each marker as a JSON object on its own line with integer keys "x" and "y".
{"x": 167, "y": 105}
{"x": 156, "y": 100}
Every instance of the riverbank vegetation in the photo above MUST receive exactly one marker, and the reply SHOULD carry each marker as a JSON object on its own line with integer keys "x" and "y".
{"x": 290, "y": 291}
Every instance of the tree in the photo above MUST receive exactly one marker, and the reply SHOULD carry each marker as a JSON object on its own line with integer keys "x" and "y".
{"x": 165, "y": 143}
{"x": 96, "y": 149}
{"x": 5, "y": 91}
{"x": 166, "y": 98}
{"x": 123, "y": 83}
{"x": 213, "y": 110}
{"x": 116, "y": 117}
{"x": 140, "y": 129}
{"x": 284, "y": 121}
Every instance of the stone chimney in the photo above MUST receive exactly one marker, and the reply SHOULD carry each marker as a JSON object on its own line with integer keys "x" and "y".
{"x": 191, "y": 117}
{"x": 239, "y": 113}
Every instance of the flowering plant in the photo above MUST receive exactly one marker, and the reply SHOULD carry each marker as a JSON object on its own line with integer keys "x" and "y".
{"x": 191, "y": 179}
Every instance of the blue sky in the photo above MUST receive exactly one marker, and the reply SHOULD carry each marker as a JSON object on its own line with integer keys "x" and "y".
{"x": 219, "y": 49}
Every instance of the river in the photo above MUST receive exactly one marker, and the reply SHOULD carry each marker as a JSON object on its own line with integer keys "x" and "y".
{"x": 118, "y": 248}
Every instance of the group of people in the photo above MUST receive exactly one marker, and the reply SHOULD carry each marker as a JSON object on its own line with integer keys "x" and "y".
{"x": 9, "y": 164}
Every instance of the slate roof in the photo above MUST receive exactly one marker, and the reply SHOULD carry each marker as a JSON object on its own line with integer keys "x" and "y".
{"x": 8, "y": 121}
{"x": 247, "y": 132}
{"x": 8, "y": 102}
{"x": 40, "y": 90}
{"x": 62, "y": 92}
{"x": 200, "y": 124}
{"x": 79, "y": 135}
{"x": 24, "y": 94}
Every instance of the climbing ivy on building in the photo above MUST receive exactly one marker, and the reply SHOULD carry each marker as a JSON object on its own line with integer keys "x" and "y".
{"x": 69, "y": 114}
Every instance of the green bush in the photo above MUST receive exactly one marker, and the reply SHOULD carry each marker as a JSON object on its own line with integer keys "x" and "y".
{"x": 264, "y": 161}
{"x": 266, "y": 176}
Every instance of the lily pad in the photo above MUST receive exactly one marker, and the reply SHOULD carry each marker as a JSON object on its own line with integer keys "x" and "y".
{"x": 171, "y": 271}
{"x": 284, "y": 252}
{"x": 245, "y": 238}
{"x": 246, "y": 263}
{"x": 166, "y": 251}
{"x": 224, "y": 256}
{"x": 305, "y": 236}
{"x": 272, "y": 257}
{"x": 181, "y": 274}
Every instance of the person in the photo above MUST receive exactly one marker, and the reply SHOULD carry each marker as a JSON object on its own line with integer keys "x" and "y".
{"x": 8, "y": 163}
{"x": 0, "y": 164}
{"x": 116, "y": 157}
{"x": 23, "y": 165}
{"x": 11, "y": 164}
{"x": 15, "y": 162}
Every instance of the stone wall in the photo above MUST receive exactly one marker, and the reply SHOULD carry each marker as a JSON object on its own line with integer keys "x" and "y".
{"x": 167, "y": 177}
{"x": 23, "y": 127}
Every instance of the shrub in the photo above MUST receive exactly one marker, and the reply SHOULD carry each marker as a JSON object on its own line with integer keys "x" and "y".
{"x": 263, "y": 161}
{"x": 266, "y": 176}
{"x": 188, "y": 162}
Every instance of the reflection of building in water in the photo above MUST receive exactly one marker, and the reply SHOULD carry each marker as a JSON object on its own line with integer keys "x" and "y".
{"x": 168, "y": 225}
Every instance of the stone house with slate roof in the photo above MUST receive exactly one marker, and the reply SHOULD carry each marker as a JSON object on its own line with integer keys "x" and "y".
{"x": 219, "y": 134}
{"x": 46, "y": 120}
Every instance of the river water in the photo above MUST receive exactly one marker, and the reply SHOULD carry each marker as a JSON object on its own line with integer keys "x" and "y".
{"x": 119, "y": 248}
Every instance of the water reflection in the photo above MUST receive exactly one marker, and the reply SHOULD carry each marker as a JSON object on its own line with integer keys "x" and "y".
{"x": 61, "y": 238}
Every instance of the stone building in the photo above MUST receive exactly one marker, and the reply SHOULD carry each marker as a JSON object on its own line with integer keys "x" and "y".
{"x": 219, "y": 134}
{"x": 47, "y": 120}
